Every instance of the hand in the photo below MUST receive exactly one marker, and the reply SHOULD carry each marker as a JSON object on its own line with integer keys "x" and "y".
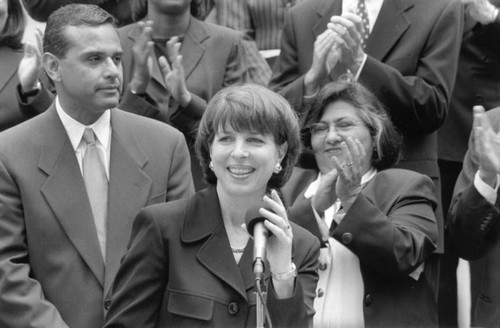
{"x": 482, "y": 11}
{"x": 30, "y": 66}
{"x": 350, "y": 172}
{"x": 348, "y": 28}
{"x": 279, "y": 245}
{"x": 173, "y": 73}
{"x": 143, "y": 60}
{"x": 486, "y": 146}
{"x": 325, "y": 51}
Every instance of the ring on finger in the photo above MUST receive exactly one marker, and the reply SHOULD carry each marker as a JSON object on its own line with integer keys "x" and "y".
{"x": 348, "y": 164}
{"x": 287, "y": 227}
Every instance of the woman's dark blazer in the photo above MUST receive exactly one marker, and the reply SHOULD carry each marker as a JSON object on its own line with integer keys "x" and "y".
{"x": 179, "y": 271}
{"x": 392, "y": 229}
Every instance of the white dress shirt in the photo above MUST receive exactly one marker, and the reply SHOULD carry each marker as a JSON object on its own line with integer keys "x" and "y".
{"x": 75, "y": 129}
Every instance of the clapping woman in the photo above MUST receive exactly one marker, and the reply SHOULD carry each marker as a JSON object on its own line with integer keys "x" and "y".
{"x": 189, "y": 262}
{"x": 376, "y": 223}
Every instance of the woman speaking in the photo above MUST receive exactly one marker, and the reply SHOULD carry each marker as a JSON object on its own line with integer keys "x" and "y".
{"x": 189, "y": 262}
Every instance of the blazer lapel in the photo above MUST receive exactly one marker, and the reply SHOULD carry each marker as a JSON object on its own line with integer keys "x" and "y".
{"x": 129, "y": 189}
{"x": 66, "y": 194}
{"x": 10, "y": 62}
{"x": 325, "y": 12}
{"x": 391, "y": 23}
{"x": 204, "y": 221}
{"x": 192, "y": 47}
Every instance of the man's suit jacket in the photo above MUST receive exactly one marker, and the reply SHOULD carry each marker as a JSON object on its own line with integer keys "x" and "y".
{"x": 50, "y": 264}
{"x": 477, "y": 83}
{"x": 474, "y": 227}
{"x": 411, "y": 67}
{"x": 212, "y": 58}
{"x": 180, "y": 272}
{"x": 12, "y": 110}
{"x": 392, "y": 230}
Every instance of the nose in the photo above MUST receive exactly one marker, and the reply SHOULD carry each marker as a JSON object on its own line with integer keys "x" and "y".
{"x": 333, "y": 135}
{"x": 113, "y": 69}
{"x": 239, "y": 150}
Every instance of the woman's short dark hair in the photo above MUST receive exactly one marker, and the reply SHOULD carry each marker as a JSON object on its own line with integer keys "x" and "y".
{"x": 55, "y": 40}
{"x": 387, "y": 140}
{"x": 13, "y": 31}
{"x": 250, "y": 108}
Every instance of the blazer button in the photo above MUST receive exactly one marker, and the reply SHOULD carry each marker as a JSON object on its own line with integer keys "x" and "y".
{"x": 321, "y": 292}
{"x": 323, "y": 266}
{"x": 107, "y": 303}
{"x": 233, "y": 308}
{"x": 368, "y": 300}
{"x": 346, "y": 238}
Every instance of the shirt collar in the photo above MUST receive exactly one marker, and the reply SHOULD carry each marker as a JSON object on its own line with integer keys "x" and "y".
{"x": 75, "y": 129}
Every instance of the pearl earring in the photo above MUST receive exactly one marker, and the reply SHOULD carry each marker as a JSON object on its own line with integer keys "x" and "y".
{"x": 277, "y": 168}
{"x": 211, "y": 165}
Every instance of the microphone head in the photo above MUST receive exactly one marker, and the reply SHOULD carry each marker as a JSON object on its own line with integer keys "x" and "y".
{"x": 252, "y": 217}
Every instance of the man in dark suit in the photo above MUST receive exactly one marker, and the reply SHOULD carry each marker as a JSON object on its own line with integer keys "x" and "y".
{"x": 477, "y": 83}
{"x": 409, "y": 62}
{"x": 474, "y": 215}
{"x": 60, "y": 245}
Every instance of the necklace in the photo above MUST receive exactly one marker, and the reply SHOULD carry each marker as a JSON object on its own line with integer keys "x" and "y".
{"x": 237, "y": 250}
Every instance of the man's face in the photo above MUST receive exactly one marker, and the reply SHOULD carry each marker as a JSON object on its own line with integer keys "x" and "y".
{"x": 90, "y": 76}
{"x": 170, "y": 6}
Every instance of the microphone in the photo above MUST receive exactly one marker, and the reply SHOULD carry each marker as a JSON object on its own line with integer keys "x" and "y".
{"x": 255, "y": 225}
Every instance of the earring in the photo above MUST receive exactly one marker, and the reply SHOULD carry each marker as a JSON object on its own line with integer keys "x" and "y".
{"x": 277, "y": 168}
{"x": 211, "y": 165}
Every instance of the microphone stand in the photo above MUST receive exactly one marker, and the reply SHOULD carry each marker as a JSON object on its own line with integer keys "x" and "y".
{"x": 261, "y": 293}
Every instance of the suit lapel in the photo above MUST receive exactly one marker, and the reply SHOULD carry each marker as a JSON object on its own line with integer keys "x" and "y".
{"x": 204, "y": 221}
{"x": 129, "y": 189}
{"x": 65, "y": 193}
{"x": 192, "y": 47}
{"x": 10, "y": 62}
{"x": 326, "y": 10}
{"x": 391, "y": 23}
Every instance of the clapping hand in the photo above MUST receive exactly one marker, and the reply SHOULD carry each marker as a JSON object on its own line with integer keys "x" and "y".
{"x": 30, "y": 65}
{"x": 173, "y": 72}
{"x": 348, "y": 28}
{"x": 325, "y": 57}
{"x": 143, "y": 60}
{"x": 482, "y": 11}
{"x": 486, "y": 146}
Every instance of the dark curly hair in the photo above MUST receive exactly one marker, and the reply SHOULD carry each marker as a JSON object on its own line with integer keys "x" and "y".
{"x": 387, "y": 140}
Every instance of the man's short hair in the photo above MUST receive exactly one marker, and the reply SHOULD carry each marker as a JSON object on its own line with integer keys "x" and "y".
{"x": 55, "y": 41}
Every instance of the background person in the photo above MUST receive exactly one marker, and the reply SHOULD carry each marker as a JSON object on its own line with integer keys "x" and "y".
{"x": 195, "y": 268}
{"x": 73, "y": 178}
{"x": 474, "y": 214}
{"x": 377, "y": 223}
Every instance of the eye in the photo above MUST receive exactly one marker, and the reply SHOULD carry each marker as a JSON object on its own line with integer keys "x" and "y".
{"x": 224, "y": 138}
{"x": 256, "y": 140}
{"x": 319, "y": 128}
{"x": 344, "y": 124}
{"x": 94, "y": 59}
{"x": 117, "y": 59}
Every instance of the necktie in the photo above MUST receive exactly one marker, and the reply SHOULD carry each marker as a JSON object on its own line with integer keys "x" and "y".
{"x": 361, "y": 12}
{"x": 96, "y": 182}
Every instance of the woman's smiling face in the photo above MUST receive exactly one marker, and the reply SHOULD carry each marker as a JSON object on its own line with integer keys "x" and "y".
{"x": 243, "y": 162}
{"x": 339, "y": 121}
